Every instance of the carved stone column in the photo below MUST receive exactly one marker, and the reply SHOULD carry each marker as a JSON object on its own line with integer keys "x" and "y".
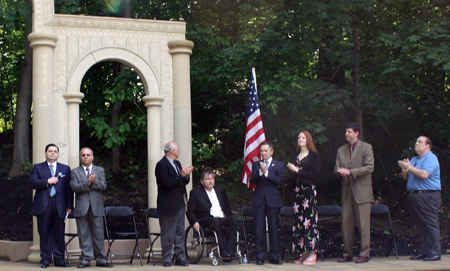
{"x": 73, "y": 100}
{"x": 181, "y": 51}
{"x": 153, "y": 104}
{"x": 43, "y": 45}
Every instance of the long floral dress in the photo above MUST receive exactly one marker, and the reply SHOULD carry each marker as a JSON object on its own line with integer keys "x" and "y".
{"x": 305, "y": 232}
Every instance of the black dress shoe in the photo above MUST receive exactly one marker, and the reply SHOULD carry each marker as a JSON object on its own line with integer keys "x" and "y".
{"x": 275, "y": 261}
{"x": 181, "y": 263}
{"x": 62, "y": 265}
{"x": 166, "y": 264}
{"x": 83, "y": 265}
{"x": 259, "y": 262}
{"x": 105, "y": 264}
{"x": 418, "y": 257}
{"x": 432, "y": 257}
{"x": 44, "y": 265}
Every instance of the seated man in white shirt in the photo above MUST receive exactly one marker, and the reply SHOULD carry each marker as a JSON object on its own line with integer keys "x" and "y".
{"x": 209, "y": 208}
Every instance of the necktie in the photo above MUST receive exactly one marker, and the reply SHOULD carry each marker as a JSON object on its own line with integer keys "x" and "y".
{"x": 52, "y": 189}
{"x": 267, "y": 164}
{"x": 88, "y": 173}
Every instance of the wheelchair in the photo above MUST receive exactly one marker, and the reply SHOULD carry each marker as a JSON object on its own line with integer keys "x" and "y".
{"x": 198, "y": 241}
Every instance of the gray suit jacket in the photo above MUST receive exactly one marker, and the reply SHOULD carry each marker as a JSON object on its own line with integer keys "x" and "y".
{"x": 88, "y": 196}
{"x": 361, "y": 164}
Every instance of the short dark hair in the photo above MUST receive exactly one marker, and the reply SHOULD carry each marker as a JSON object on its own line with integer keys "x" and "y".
{"x": 266, "y": 143}
{"x": 354, "y": 126}
{"x": 207, "y": 173}
{"x": 51, "y": 145}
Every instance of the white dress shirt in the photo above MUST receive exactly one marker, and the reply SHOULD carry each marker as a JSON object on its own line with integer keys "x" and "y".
{"x": 216, "y": 210}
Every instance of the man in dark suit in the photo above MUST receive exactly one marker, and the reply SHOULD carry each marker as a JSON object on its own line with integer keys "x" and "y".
{"x": 354, "y": 166}
{"x": 53, "y": 201}
{"x": 88, "y": 182}
{"x": 209, "y": 208}
{"x": 172, "y": 204}
{"x": 267, "y": 174}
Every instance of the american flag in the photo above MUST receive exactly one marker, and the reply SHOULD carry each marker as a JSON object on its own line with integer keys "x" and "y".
{"x": 254, "y": 133}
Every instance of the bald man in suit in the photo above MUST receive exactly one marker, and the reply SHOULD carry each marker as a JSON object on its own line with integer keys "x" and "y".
{"x": 172, "y": 179}
{"x": 354, "y": 166}
{"x": 88, "y": 182}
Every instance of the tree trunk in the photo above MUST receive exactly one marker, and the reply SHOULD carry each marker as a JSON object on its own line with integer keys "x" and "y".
{"x": 357, "y": 66}
{"x": 117, "y": 106}
{"x": 21, "y": 149}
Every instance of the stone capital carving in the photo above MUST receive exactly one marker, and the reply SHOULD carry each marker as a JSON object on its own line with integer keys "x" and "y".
{"x": 180, "y": 47}
{"x": 73, "y": 97}
{"x": 153, "y": 101}
{"x": 42, "y": 39}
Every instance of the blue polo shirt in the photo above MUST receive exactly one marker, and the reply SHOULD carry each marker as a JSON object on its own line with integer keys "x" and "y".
{"x": 430, "y": 164}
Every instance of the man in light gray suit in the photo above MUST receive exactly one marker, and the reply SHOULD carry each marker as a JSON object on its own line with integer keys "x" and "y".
{"x": 88, "y": 182}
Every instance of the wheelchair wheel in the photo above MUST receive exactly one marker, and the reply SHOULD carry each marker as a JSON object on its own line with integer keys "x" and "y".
{"x": 195, "y": 245}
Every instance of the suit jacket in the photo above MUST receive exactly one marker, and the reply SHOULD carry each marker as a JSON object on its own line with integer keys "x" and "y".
{"x": 171, "y": 187}
{"x": 200, "y": 205}
{"x": 361, "y": 164}
{"x": 267, "y": 187}
{"x": 88, "y": 195}
{"x": 39, "y": 181}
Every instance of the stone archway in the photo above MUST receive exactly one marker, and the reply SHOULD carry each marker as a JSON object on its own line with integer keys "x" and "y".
{"x": 66, "y": 46}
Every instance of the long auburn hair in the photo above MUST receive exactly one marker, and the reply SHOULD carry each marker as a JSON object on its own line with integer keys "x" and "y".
{"x": 309, "y": 142}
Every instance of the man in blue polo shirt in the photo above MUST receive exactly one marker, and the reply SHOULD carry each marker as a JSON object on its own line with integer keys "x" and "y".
{"x": 424, "y": 198}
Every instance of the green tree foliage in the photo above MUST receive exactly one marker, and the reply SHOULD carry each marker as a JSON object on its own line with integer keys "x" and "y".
{"x": 13, "y": 22}
{"x": 309, "y": 74}
{"x": 125, "y": 88}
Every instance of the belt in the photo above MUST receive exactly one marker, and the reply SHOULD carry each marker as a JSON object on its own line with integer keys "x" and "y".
{"x": 422, "y": 191}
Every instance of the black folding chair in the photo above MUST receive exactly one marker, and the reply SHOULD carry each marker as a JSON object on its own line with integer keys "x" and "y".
{"x": 381, "y": 209}
{"x": 286, "y": 231}
{"x": 151, "y": 213}
{"x": 70, "y": 236}
{"x": 120, "y": 224}
{"x": 329, "y": 212}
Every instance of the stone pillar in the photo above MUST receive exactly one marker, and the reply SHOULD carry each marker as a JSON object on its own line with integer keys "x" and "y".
{"x": 73, "y": 100}
{"x": 181, "y": 51}
{"x": 153, "y": 104}
{"x": 43, "y": 45}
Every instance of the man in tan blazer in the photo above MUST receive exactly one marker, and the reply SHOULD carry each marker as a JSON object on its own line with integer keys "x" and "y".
{"x": 354, "y": 165}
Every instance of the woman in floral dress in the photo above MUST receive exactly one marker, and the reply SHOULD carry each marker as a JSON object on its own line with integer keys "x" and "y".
{"x": 304, "y": 167}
